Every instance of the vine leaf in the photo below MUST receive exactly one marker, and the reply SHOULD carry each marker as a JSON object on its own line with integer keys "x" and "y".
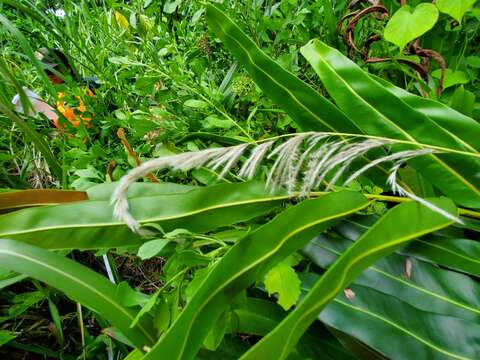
{"x": 455, "y": 9}
{"x": 406, "y": 25}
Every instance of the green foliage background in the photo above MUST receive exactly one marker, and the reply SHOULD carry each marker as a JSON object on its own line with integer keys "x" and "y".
{"x": 231, "y": 270}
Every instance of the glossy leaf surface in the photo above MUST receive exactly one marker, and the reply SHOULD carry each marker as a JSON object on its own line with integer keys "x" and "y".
{"x": 307, "y": 107}
{"x": 247, "y": 261}
{"x": 398, "y": 226}
{"x": 378, "y": 112}
{"x": 421, "y": 284}
{"x": 90, "y": 224}
{"x": 14, "y": 200}
{"x": 78, "y": 282}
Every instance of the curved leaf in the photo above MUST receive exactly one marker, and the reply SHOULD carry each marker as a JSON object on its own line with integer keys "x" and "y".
{"x": 36, "y": 139}
{"x": 458, "y": 254}
{"x": 360, "y": 97}
{"x": 78, "y": 282}
{"x": 423, "y": 285}
{"x": 90, "y": 224}
{"x": 138, "y": 189}
{"x": 306, "y": 106}
{"x": 399, "y": 225}
{"x": 247, "y": 261}
{"x": 421, "y": 334}
{"x": 464, "y": 128}
{"x": 258, "y": 317}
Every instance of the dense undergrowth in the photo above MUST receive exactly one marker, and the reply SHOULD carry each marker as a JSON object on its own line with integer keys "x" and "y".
{"x": 344, "y": 223}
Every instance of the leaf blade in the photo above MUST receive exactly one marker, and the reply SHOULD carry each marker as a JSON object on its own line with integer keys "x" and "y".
{"x": 78, "y": 282}
{"x": 363, "y": 98}
{"x": 247, "y": 261}
{"x": 380, "y": 240}
{"x": 91, "y": 225}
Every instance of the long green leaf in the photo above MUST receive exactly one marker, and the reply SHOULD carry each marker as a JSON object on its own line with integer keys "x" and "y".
{"x": 246, "y": 262}
{"x": 36, "y": 13}
{"x": 466, "y": 129}
{"x": 398, "y": 226}
{"x": 29, "y": 132}
{"x": 378, "y": 112}
{"x": 22, "y": 40}
{"x": 306, "y": 106}
{"x": 36, "y": 139}
{"x": 426, "y": 286}
{"x": 78, "y": 282}
{"x": 401, "y": 331}
{"x": 458, "y": 254}
{"x": 90, "y": 224}
{"x": 139, "y": 189}
{"x": 258, "y": 317}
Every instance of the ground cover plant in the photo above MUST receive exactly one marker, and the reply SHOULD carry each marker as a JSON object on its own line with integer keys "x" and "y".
{"x": 247, "y": 179}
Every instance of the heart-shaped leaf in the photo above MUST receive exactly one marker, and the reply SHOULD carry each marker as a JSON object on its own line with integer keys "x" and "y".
{"x": 452, "y": 77}
{"x": 455, "y": 8}
{"x": 405, "y": 25}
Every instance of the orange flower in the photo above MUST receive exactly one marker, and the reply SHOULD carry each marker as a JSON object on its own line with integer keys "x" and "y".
{"x": 71, "y": 113}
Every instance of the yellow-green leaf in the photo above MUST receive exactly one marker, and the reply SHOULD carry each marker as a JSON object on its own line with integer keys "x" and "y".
{"x": 122, "y": 21}
{"x": 283, "y": 280}
{"x": 455, "y": 8}
{"x": 407, "y": 25}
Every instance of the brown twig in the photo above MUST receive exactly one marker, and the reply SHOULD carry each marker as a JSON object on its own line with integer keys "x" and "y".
{"x": 433, "y": 55}
{"x": 353, "y": 23}
{"x": 345, "y": 17}
{"x": 110, "y": 167}
{"x": 128, "y": 148}
{"x": 417, "y": 67}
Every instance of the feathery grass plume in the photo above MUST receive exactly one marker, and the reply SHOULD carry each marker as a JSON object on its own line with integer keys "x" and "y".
{"x": 250, "y": 166}
{"x": 346, "y": 156}
{"x": 185, "y": 161}
{"x": 311, "y": 143}
{"x": 398, "y": 189}
{"x": 316, "y": 162}
{"x": 303, "y": 162}
{"x": 229, "y": 159}
{"x": 407, "y": 154}
{"x": 285, "y": 163}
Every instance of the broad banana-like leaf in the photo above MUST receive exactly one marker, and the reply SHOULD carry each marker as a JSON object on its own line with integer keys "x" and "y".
{"x": 91, "y": 225}
{"x": 418, "y": 283}
{"x": 79, "y": 283}
{"x": 15, "y": 200}
{"x": 307, "y": 107}
{"x": 398, "y": 226}
{"x": 248, "y": 261}
{"x": 9, "y": 278}
{"x": 399, "y": 330}
{"x": 458, "y": 254}
{"x": 378, "y": 112}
